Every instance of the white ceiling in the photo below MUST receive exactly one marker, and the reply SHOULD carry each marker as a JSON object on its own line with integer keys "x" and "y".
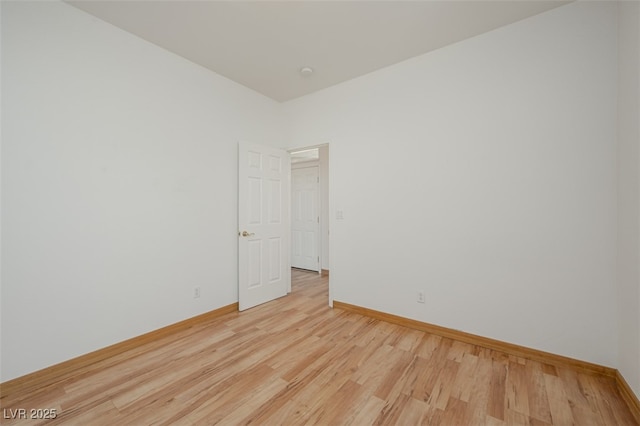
{"x": 262, "y": 45}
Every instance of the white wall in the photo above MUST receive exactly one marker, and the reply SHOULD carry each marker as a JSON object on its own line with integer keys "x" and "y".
{"x": 629, "y": 192}
{"x": 483, "y": 173}
{"x": 119, "y": 184}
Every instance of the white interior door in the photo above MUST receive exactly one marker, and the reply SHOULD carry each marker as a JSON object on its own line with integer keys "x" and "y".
{"x": 264, "y": 260}
{"x": 305, "y": 218}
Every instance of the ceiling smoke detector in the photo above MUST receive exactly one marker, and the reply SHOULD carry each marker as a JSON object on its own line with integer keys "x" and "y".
{"x": 306, "y": 71}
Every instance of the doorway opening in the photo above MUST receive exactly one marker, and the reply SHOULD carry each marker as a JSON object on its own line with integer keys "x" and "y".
{"x": 310, "y": 210}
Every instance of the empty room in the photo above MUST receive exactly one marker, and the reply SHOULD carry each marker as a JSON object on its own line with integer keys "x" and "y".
{"x": 320, "y": 212}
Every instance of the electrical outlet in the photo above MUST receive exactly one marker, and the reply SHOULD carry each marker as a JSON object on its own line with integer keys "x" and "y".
{"x": 420, "y": 298}
{"x": 196, "y": 292}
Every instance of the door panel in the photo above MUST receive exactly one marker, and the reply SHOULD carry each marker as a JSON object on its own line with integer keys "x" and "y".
{"x": 264, "y": 224}
{"x": 305, "y": 227}
{"x": 275, "y": 259}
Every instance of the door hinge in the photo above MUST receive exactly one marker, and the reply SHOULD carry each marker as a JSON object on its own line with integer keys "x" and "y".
{"x": 318, "y": 219}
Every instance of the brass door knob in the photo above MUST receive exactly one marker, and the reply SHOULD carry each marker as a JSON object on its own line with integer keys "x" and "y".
{"x": 247, "y": 234}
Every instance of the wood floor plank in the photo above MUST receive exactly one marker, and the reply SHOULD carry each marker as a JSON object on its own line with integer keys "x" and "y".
{"x": 456, "y": 413}
{"x": 492, "y": 421}
{"x": 295, "y": 361}
{"x": 395, "y": 367}
{"x": 90, "y": 416}
{"x": 497, "y": 395}
{"x": 517, "y": 389}
{"x": 255, "y": 399}
{"x": 367, "y": 413}
{"x": 465, "y": 378}
{"x": 481, "y": 388}
{"x": 559, "y": 406}
{"x": 609, "y": 403}
{"x": 415, "y": 374}
{"x": 224, "y": 400}
{"x": 336, "y": 408}
{"x": 426, "y": 383}
{"x": 444, "y": 384}
{"x": 428, "y": 345}
{"x": 392, "y": 410}
{"x": 413, "y": 413}
{"x": 516, "y": 418}
{"x": 537, "y": 392}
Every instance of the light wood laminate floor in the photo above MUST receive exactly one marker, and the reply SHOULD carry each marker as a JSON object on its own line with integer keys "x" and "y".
{"x": 297, "y": 361}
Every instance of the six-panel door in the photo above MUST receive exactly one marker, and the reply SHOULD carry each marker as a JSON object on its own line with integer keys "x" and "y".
{"x": 264, "y": 224}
